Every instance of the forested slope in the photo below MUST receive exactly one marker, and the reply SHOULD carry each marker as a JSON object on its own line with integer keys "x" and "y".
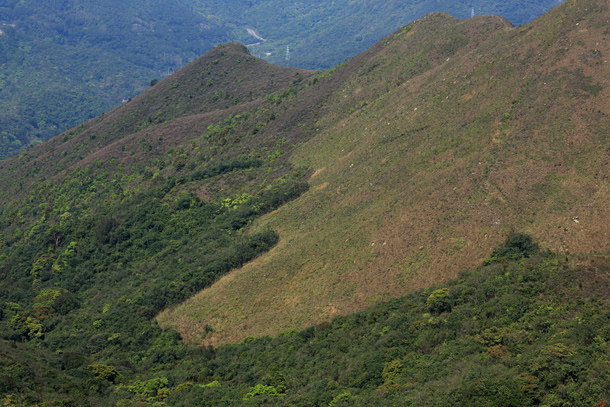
{"x": 527, "y": 328}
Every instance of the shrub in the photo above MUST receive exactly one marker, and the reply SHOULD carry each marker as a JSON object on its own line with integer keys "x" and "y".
{"x": 438, "y": 301}
{"x": 103, "y": 372}
{"x": 260, "y": 389}
{"x": 516, "y": 247}
{"x": 156, "y": 387}
{"x": 212, "y": 384}
{"x": 340, "y": 397}
{"x": 498, "y": 352}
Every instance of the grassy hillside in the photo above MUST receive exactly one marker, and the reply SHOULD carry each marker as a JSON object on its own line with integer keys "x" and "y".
{"x": 237, "y": 200}
{"x": 62, "y": 63}
{"x": 441, "y": 140}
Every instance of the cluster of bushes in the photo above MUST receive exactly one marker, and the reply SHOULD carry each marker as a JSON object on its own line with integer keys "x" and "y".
{"x": 524, "y": 329}
{"x": 86, "y": 285}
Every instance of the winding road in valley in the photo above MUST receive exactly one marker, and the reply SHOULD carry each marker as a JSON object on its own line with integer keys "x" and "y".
{"x": 254, "y": 34}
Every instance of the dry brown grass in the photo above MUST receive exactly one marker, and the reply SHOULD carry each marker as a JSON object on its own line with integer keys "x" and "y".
{"x": 424, "y": 153}
{"x": 430, "y": 177}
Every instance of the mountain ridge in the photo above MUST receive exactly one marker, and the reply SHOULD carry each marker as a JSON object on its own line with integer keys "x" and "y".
{"x": 425, "y": 257}
{"x": 67, "y": 62}
{"x": 264, "y": 225}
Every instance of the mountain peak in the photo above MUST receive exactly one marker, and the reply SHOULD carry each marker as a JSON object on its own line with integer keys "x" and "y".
{"x": 438, "y": 142}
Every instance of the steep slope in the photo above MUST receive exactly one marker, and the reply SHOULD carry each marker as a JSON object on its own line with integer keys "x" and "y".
{"x": 295, "y": 196}
{"x": 418, "y": 176}
{"x": 62, "y": 63}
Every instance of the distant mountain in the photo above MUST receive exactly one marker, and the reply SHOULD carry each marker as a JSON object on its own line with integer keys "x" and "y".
{"x": 230, "y": 235}
{"x": 66, "y": 61}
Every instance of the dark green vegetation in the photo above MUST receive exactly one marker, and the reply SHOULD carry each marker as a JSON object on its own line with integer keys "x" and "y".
{"x": 527, "y": 329}
{"x": 63, "y": 62}
{"x": 115, "y": 221}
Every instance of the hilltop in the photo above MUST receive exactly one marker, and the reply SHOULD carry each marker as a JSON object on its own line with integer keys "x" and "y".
{"x": 439, "y": 141}
{"x": 62, "y": 63}
{"x": 236, "y": 200}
